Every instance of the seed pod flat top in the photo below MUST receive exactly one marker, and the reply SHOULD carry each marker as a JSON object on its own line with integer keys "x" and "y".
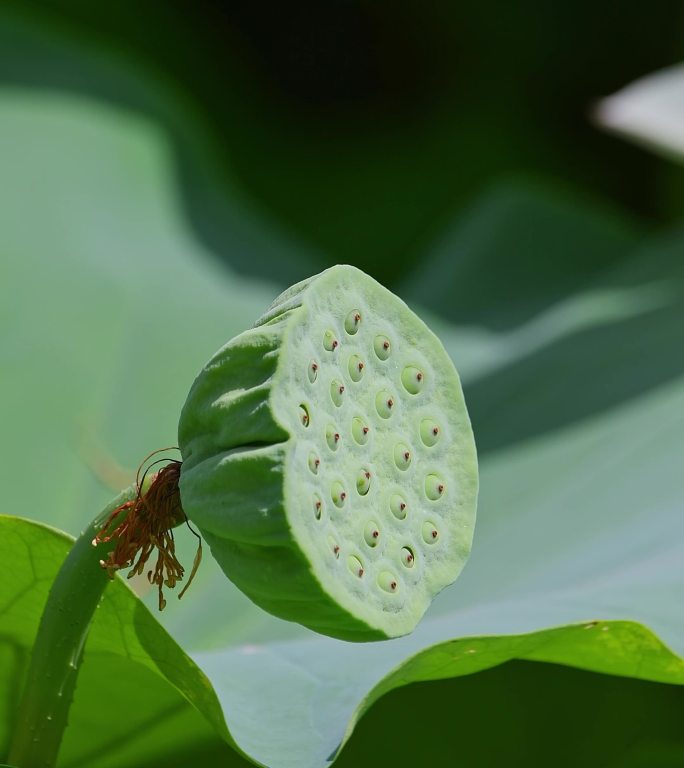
{"x": 328, "y": 459}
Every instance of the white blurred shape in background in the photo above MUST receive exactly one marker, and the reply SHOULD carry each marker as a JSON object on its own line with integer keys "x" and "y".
{"x": 650, "y": 111}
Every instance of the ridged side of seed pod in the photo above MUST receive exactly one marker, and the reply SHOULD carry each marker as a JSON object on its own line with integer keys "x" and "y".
{"x": 290, "y": 299}
{"x": 228, "y": 404}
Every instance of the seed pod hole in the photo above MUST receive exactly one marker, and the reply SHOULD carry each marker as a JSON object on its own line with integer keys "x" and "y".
{"x": 429, "y": 432}
{"x": 407, "y": 557}
{"x": 388, "y": 582}
{"x": 352, "y": 322}
{"x": 402, "y": 456}
{"x": 359, "y": 430}
{"x": 314, "y": 463}
{"x": 338, "y": 494}
{"x": 382, "y": 347}
{"x": 363, "y": 481}
{"x": 384, "y": 404}
{"x": 398, "y": 506}
{"x": 332, "y": 437}
{"x": 371, "y": 533}
{"x": 336, "y": 392}
{"x": 356, "y": 368}
{"x": 304, "y": 415}
{"x": 430, "y": 533}
{"x": 413, "y": 379}
{"x": 330, "y": 342}
{"x": 317, "y": 506}
{"x": 434, "y": 487}
{"x": 355, "y": 566}
{"x": 313, "y": 371}
{"x": 334, "y": 546}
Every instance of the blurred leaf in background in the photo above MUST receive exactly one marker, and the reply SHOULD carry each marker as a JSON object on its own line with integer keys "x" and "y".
{"x": 360, "y": 128}
{"x": 137, "y": 157}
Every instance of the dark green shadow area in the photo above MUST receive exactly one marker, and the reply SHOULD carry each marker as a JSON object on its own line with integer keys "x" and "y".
{"x": 14, "y": 657}
{"x": 519, "y": 715}
{"x": 518, "y": 250}
{"x": 136, "y": 735}
{"x": 360, "y": 129}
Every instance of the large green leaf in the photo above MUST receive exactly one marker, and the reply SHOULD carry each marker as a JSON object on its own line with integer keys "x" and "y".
{"x": 123, "y": 710}
{"x": 604, "y": 712}
{"x": 107, "y": 309}
{"x": 579, "y": 528}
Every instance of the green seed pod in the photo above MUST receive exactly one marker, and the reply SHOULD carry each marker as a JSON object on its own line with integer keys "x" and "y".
{"x": 339, "y": 497}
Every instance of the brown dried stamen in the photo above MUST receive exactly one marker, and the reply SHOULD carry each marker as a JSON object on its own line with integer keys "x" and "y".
{"x": 148, "y": 524}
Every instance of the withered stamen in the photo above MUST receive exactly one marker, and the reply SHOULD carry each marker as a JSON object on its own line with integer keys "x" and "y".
{"x": 148, "y": 525}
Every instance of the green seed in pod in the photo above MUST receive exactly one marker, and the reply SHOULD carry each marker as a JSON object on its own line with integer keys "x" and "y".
{"x": 282, "y": 422}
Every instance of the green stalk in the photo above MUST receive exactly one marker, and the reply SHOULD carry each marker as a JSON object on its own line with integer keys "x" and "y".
{"x": 58, "y": 649}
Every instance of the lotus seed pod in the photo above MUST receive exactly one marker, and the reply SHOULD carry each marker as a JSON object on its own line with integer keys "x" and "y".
{"x": 329, "y": 462}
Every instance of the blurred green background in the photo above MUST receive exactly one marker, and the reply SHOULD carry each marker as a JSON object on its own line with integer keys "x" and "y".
{"x": 391, "y": 136}
{"x": 363, "y": 129}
